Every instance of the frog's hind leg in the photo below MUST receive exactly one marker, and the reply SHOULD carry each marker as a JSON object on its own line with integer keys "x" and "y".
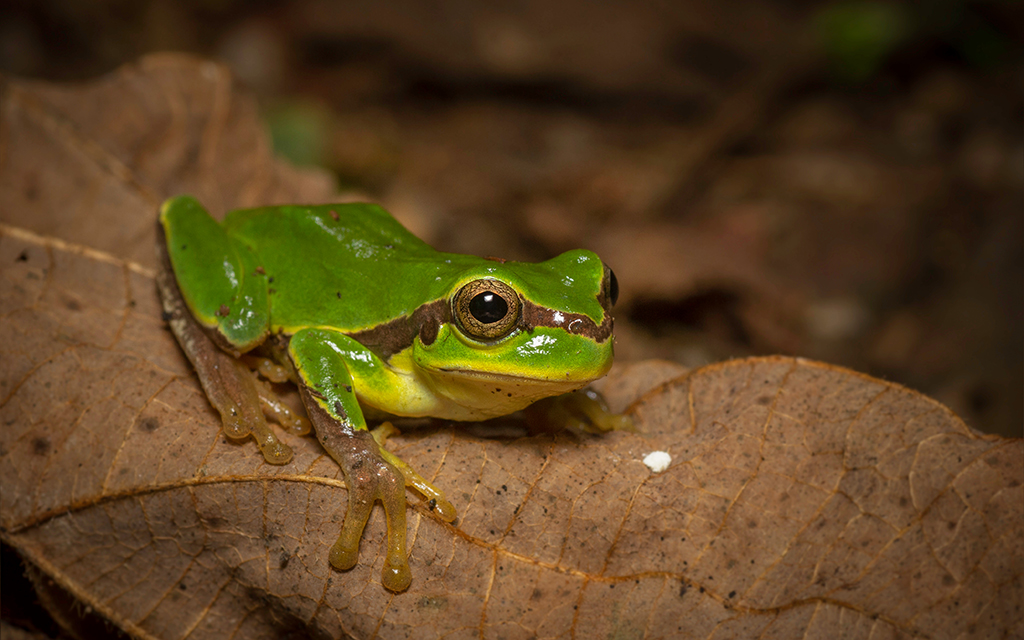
{"x": 228, "y": 383}
{"x": 223, "y": 285}
{"x": 231, "y": 304}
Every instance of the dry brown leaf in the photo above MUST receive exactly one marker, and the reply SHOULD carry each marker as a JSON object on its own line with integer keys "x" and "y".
{"x": 10, "y": 632}
{"x": 802, "y": 499}
{"x": 90, "y": 163}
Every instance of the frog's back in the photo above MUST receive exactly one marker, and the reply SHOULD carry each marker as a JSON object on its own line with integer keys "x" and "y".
{"x": 346, "y": 266}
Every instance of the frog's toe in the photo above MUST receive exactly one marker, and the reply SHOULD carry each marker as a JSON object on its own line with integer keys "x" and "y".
{"x": 274, "y": 451}
{"x": 267, "y": 368}
{"x": 436, "y": 501}
{"x": 345, "y": 552}
{"x": 584, "y": 410}
{"x": 444, "y": 509}
{"x": 396, "y": 576}
{"x": 299, "y": 426}
{"x": 234, "y": 424}
{"x": 371, "y": 478}
{"x": 278, "y": 411}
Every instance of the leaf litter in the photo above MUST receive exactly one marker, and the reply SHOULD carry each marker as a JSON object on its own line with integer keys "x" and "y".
{"x": 801, "y": 497}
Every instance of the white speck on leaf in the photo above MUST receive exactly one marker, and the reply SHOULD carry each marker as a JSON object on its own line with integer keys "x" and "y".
{"x": 657, "y": 461}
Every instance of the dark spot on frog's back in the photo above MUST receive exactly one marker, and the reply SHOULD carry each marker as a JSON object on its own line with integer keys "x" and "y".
{"x": 40, "y": 446}
{"x": 72, "y": 305}
{"x": 149, "y": 425}
{"x": 22, "y": 257}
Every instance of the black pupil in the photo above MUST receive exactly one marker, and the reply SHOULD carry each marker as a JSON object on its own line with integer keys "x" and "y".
{"x": 613, "y": 287}
{"x": 488, "y": 307}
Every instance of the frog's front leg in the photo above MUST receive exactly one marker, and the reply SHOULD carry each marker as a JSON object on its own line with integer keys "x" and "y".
{"x": 584, "y": 410}
{"x": 326, "y": 385}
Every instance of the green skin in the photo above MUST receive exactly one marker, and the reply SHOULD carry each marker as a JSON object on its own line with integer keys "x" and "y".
{"x": 361, "y": 314}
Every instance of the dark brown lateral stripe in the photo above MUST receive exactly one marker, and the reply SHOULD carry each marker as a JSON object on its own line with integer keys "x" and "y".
{"x": 392, "y": 337}
{"x": 575, "y": 323}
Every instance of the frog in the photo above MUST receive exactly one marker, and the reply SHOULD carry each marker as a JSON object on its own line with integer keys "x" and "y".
{"x": 369, "y": 321}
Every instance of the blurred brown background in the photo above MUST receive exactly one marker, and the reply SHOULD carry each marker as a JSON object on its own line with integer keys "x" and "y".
{"x": 841, "y": 181}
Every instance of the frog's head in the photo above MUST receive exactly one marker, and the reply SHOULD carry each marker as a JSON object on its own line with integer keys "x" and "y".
{"x": 516, "y": 332}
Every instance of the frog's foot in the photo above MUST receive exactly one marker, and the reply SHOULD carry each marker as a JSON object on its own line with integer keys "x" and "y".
{"x": 583, "y": 410}
{"x": 278, "y": 411}
{"x": 268, "y": 368}
{"x": 228, "y": 384}
{"x": 234, "y": 392}
{"x": 369, "y": 477}
{"x": 436, "y": 501}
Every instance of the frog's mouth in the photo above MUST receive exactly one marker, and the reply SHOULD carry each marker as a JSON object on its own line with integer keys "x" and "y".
{"x": 487, "y": 394}
{"x": 554, "y": 378}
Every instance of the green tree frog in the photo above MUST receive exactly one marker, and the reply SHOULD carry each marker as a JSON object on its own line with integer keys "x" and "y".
{"x": 367, "y": 319}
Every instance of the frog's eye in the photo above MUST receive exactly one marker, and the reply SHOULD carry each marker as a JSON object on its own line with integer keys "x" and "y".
{"x": 610, "y": 286}
{"x": 486, "y": 309}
